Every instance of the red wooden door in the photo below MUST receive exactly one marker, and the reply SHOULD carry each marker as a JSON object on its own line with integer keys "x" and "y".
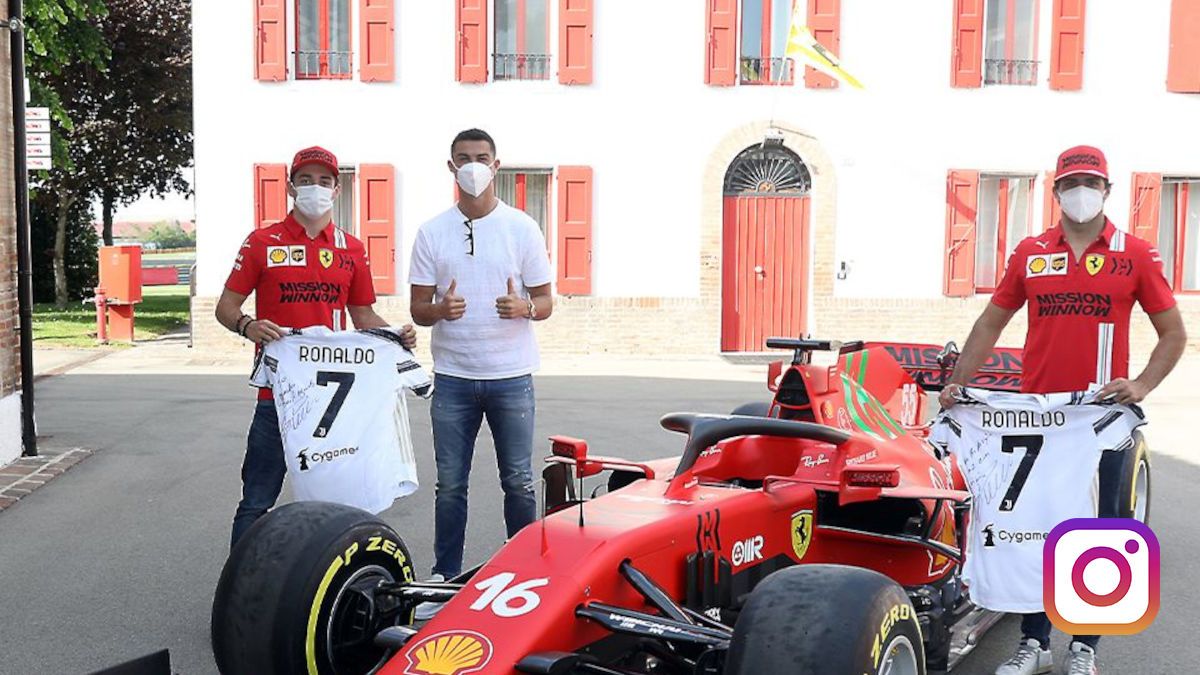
{"x": 765, "y": 270}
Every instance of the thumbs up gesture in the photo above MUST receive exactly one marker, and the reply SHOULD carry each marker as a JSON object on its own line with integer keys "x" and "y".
{"x": 453, "y": 305}
{"x": 511, "y": 305}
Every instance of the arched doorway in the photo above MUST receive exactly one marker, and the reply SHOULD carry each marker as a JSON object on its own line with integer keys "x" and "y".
{"x": 764, "y": 269}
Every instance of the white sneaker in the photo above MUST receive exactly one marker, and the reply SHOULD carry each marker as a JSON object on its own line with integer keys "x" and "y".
{"x": 427, "y": 610}
{"x": 1030, "y": 659}
{"x": 1081, "y": 660}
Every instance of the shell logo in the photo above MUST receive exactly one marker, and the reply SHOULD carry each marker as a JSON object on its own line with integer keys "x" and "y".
{"x": 453, "y": 652}
{"x": 1037, "y": 264}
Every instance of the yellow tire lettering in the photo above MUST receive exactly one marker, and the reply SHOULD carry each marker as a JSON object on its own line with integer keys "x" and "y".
{"x": 373, "y": 543}
{"x": 389, "y": 547}
{"x": 875, "y": 650}
{"x": 310, "y": 637}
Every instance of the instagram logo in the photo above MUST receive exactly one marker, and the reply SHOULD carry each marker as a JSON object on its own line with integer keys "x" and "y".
{"x": 1100, "y": 576}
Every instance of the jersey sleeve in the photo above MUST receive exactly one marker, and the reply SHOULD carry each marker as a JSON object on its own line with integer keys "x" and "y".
{"x": 362, "y": 291}
{"x": 412, "y": 376}
{"x": 535, "y": 262}
{"x": 266, "y": 368}
{"x": 1010, "y": 293}
{"x": 247, "y": 267}
{"x": 422, "y": 268}
{"x": 1153, "y": 292}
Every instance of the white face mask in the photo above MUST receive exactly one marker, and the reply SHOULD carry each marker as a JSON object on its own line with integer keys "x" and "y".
{"x": 474, "y": 178}
{"x": 313, "y": 201}
{"x": 1082, "y": 203}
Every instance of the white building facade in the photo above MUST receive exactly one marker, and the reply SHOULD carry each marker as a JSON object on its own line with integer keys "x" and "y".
{"x": 697, "y": 195}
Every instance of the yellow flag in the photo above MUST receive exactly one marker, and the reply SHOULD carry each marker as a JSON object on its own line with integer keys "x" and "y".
{"x": 802, "y": 43}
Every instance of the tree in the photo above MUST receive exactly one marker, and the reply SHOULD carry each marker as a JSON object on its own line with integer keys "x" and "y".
{"x": 59, "y": 34}
{"x": 126, "y": 124}
{"x": 168, "y": 235}
{"x": 79, "y": 265}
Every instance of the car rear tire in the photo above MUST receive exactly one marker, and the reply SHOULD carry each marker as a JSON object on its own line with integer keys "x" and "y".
{"x": 828, "y": 619}
{"x": 753, "y": 409}
{"x": 1135, "y": 481}
{"x": 293, "y": 592}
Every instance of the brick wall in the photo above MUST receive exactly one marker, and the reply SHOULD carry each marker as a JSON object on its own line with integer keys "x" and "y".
{"x": 10, "y": 370}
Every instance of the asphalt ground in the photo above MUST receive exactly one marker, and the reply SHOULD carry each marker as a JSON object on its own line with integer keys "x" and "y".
{"x": 119, "y": 557}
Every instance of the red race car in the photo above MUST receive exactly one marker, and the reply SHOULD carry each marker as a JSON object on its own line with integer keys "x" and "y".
{"x": 819, "y": 533}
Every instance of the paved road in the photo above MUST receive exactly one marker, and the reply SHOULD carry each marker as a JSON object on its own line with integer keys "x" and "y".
{"x": 119, "y": 557}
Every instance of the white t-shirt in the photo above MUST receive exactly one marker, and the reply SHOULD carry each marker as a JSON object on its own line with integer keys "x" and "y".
{"x": 1030, "y": 462}
{"x": 507, "y": 244}
{"x": 342, "y": 414}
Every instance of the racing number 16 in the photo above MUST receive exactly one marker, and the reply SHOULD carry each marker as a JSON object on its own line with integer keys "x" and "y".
{"x": 515, "y": 601}
{"x": 1032, "y": 445}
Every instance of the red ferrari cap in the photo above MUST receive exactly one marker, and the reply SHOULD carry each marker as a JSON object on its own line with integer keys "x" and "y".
{"x": 1081, "y": 159}
{"x": 315, "y": 155}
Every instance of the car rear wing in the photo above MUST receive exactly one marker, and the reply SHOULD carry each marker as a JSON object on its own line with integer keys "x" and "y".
{"x": 930, "y": 365}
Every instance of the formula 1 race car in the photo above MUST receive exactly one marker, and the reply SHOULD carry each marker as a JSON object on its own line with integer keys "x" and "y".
{"x": 819, "y": 533}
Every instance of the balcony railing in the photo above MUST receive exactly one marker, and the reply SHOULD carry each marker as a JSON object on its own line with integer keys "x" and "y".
{"x": 319, "y": 64}
{"x": 767, "y": 71}
{"x": 521, "y": 66}
{"x": 1009, "y": 71}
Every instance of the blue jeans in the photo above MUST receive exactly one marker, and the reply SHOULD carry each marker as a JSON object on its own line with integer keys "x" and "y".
{"x": 459, "y": 406}
{"x": 1038, "y": 625}
{"x": 262, "y": 469}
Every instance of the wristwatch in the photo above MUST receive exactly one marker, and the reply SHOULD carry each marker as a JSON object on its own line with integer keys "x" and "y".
{"x": 532, "y": 308}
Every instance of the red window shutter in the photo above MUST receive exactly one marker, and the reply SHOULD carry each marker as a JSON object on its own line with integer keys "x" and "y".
{"x": 270, "y": 194}
{"x": 1066, "y": 44}
{"x": 377, "y": 222}
{"x": 966, "y": 63}
{"x": 270, "y": 40}
{"x": 376, "y": 40}
{"x": 962, "y": 201}
{"x": 1183, "y": 66}
{"x": 470, "y": 59}
{"x": 824, "y": 20}
{"x": 720, "y": 56}
{"x": 1052, "y": 211}
{"x": 575, "y": 230}
{"x": 1144, "y": 206}
{"x": 576, "y": 19}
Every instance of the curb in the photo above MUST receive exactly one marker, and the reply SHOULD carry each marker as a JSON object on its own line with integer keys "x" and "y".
{"x": 27, "y": 474}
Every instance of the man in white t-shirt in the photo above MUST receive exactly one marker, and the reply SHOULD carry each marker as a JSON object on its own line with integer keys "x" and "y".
{"x": 480, "y": 276}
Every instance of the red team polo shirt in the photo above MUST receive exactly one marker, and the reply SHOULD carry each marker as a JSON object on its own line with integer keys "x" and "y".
{"x": 1079, "y": 309}
{"x": 300, "y": 282}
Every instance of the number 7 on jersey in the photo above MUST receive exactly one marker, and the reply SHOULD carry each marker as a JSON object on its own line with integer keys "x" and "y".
{"x": 1032, "y": 445}
{"x": 344, "y": 382}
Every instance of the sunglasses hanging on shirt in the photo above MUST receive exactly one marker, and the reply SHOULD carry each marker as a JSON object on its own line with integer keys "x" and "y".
{"x": 470, "y": 236}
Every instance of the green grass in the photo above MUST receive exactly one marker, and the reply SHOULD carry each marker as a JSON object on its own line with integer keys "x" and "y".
{"x": 162, "y": 309}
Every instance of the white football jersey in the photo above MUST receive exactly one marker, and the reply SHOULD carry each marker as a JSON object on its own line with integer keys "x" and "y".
{"x": 1030, "y": 462}
{"x": 342, "y": 413}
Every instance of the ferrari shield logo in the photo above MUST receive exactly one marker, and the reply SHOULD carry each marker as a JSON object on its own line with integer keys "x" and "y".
{"x": 326, "y": 258}
{"x": 1094, "y": 263}
{"x": 802, "y": 529}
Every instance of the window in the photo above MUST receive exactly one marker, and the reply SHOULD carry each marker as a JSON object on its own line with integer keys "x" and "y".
{"x": 1003, "y": 220}
{"x": 987, "y": 215}
{"x": 1179, "y": 232}
{"x": 323, "y": 39}
{"x": 343, "y": 208}
{"x": 1010, "y": 42}
{"x": 764, "y": 35}
{"x": 528, "y": 190}
{"x": 522, "y": 40}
